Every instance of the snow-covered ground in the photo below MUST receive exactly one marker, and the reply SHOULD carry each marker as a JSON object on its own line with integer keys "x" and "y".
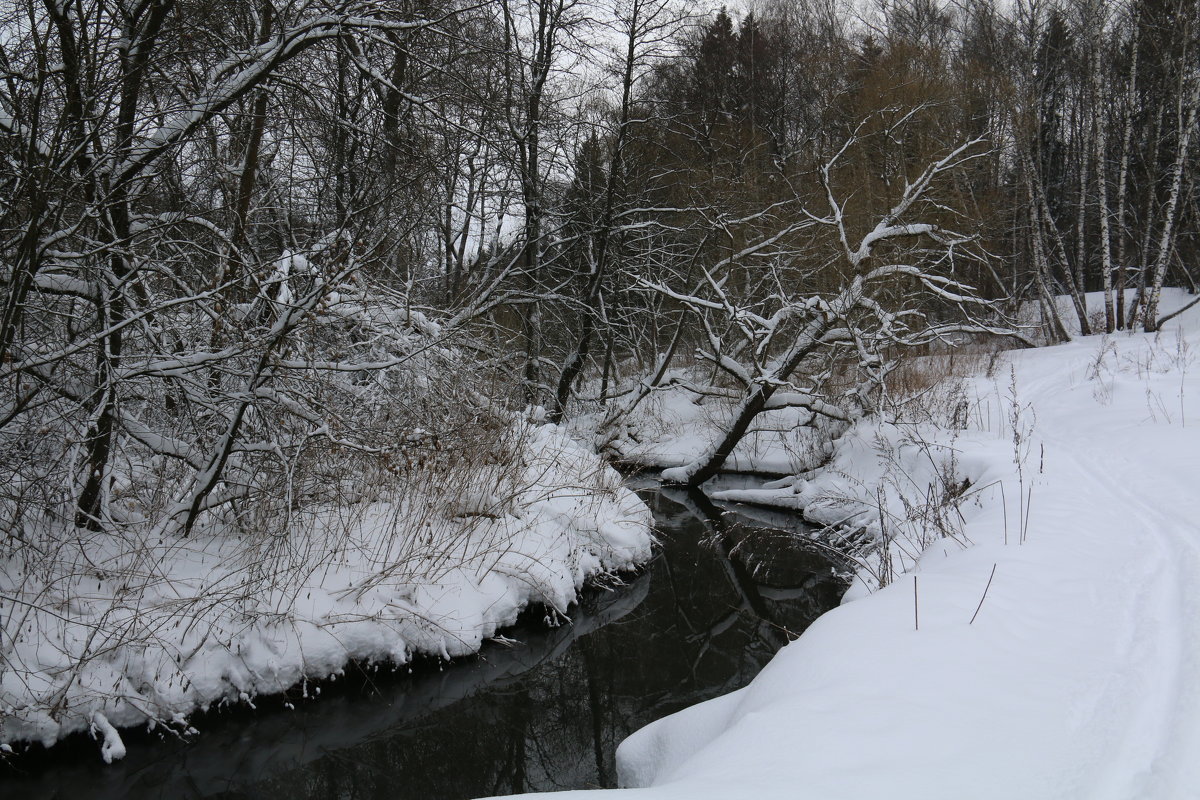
{"x": 107, "y": 632}
{"x": 1044, "y": 644}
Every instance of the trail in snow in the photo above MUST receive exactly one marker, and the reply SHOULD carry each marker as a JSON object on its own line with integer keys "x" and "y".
{"x": 1145, "y": 470}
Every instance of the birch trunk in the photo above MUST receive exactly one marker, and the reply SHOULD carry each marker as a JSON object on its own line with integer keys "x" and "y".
{"x": 1100, "y": 151}
{"x": 1166, "y": 243}
{"x": 1123, "y": 185}
{"x": 1041, "y": 268}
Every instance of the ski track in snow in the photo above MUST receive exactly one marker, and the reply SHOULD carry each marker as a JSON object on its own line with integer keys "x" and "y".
{"x": 1158, "y": 730}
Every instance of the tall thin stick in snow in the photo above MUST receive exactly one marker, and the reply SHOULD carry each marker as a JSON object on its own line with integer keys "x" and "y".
{"x": 916, "y": 607}
{"x": 1025, "y": 521}
{"x": 1004, "y": 506}
{"x": 984, "y": 596}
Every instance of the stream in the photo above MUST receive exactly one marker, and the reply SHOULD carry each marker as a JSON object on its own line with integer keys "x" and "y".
{"x": 544, "y": 711}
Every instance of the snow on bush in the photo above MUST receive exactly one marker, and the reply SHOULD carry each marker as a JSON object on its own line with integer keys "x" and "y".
{"x": 354, "y": 490}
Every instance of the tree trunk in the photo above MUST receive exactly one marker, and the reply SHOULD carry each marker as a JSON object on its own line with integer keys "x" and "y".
{"x": 114, "y": 233}
{"x": 755, "y": 402}
{"x": 1123, "y": 184}
{"x": 575, "y": 361}
{"x": 1100, "y": 153}
{"x": 1167, "y": 241}
{"x": 1041, "y": 269}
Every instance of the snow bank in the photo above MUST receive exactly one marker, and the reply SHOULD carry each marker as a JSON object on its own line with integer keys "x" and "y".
{"x": 891, "y": 491}
{"x": 674, "y": 425}
{"x": 1044, "y": 647}
{"x": 147, "y": 631}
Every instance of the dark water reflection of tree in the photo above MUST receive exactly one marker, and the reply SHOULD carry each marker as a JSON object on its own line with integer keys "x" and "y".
{"x": 546, "y": 714}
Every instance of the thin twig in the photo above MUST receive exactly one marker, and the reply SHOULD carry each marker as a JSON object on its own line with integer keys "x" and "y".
{"x": 984, "y": 597}
{"x": 916, "y": 611}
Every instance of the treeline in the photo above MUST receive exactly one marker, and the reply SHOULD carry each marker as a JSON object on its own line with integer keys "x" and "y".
{"x": 225, "y": 224}
{"x": 1085, "y": 115}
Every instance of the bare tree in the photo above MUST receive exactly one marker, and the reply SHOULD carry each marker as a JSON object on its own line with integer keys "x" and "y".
{"x": 892, "y": 290}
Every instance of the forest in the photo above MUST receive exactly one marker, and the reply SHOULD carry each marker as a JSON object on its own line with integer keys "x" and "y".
{"x": 286, "y": 283}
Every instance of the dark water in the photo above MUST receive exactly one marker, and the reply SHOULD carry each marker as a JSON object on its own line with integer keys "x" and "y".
{"x": 725, "y": 593}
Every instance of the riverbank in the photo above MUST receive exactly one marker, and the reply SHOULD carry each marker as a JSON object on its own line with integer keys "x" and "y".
{"x": 106, "y": 635}
{"x": 541, "y": 708}
{"x": 1038, "y": 642}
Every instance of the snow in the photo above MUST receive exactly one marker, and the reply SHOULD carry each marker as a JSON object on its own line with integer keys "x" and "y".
{"x": 111, "y": 748}
{"x": 147, "y": 634}
{"x": 675, "y": 424}
{"x": 1044, "y": 644}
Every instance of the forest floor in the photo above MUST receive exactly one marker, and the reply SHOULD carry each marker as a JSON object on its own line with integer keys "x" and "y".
{"x": 1033, "y": 634}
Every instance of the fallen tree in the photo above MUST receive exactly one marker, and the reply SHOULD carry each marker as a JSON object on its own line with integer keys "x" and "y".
{"x": 876, "y": 295}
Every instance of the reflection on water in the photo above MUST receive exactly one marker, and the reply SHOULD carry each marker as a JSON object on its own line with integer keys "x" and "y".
{"x": 547, "y": 713}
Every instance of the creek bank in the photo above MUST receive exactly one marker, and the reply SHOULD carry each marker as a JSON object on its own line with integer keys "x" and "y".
{"x": 130, "y": 631}
{"x": 702, "y": 618}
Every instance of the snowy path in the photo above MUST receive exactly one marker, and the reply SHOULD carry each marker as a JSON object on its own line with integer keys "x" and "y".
{"x": 1146, "y": 475}
{"x": 1080, "y": 678}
